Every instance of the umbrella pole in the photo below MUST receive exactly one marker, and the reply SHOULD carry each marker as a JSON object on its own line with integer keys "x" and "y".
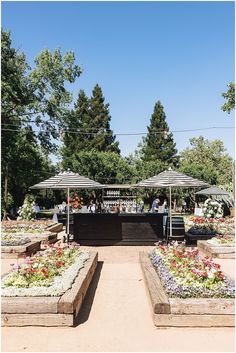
{"x": 170, "y": 218}
{"x": 68, "y": 215}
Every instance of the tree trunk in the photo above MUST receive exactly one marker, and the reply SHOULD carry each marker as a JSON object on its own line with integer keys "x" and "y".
{"x": 5, "y": 194}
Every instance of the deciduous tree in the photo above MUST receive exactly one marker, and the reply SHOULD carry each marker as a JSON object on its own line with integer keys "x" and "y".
{"x": 229, "y": 105}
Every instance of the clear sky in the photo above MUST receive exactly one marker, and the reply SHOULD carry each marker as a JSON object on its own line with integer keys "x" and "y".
{"x": 181, "y": 53}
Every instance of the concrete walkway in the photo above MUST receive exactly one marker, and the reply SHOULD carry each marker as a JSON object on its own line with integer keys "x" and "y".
{"x": 116, "y": 317}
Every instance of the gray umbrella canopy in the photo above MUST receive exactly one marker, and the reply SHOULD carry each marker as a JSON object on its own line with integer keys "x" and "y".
{"x": 168, "y": 179}
{"x": 171, "y": 178}
{"x": 213, "y": 190}
{"x": 68, "y": 180}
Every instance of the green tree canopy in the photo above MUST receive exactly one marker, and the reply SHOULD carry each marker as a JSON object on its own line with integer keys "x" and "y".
{"x": 102, "y": 139}
{"x": 34, "y": 103}
{"x": 78, "y": 121}
{"x": 103, "y": 167}
{"x": 31, "y": 166}
{"x": 159, "y": 144}
{"x": 207, "y": 160}
{"x": 36, "y": 97}
{"x": 88, "y": 126}
{"x": 229, "y": 105}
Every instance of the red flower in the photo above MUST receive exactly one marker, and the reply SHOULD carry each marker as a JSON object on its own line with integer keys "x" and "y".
{"x": 60, "y": 263}
{"x": 44, "y": 271}
{"x": 32, "y": 270}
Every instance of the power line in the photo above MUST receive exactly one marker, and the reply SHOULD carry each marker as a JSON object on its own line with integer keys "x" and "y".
{"x": 71, "y": 131}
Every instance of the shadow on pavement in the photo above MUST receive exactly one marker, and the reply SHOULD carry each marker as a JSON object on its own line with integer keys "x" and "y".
{"x": 89, "y": 297}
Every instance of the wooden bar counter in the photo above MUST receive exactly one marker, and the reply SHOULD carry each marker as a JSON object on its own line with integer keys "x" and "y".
{"x": 119, "y": 229}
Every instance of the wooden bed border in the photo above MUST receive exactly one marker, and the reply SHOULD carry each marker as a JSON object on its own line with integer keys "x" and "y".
{"x": 189, "y": 312}
{"x": 50, "y": 311}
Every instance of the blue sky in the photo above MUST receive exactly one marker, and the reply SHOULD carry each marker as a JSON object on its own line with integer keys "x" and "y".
{"x": 181, "y": 53}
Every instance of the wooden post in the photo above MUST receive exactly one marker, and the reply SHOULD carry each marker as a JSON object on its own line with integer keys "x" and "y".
{"x": 170, "y": 215}
{"x": 68, "y": 215}
{"x": 233, "y": 178}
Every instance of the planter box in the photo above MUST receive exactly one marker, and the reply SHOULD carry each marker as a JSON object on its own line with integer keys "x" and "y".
{"x": 221, "y": 252}
{"x": 50, "y": 311}
{"x": 55, "y": 228}
{"x": 189, "y": 312}
{"x": 16, "y": 251}
{"x": 192, "y": 239}
{"x": 45, "y": 238}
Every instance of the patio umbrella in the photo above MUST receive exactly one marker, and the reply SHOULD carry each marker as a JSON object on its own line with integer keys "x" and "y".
{"x": 168, "y": 179}
{"x": 68, "y": 180}
{"x": 213, "y": 190}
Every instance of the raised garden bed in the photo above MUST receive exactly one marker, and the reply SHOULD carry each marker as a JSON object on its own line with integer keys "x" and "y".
{"x": 16, "y": 251}
{"x": 45, "y": 237}
{"x": 35, "y": 226}
{"x": 173, "y": 311}
{"x": 55, "y": 228}
{"x": 44, "y": 231}
{"x": 60, "y": 310}
{"x": 192, "y": 239}
{"x": 221, "y": 252}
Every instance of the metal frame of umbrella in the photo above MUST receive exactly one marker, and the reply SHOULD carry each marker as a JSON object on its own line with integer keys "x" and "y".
{"x": 168, "y": 179}
{"x": 68, "y": 180}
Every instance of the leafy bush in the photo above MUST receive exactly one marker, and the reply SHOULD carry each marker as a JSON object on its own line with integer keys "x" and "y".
{"x": 212, "y": 209}
{"x": 27, "y": 211}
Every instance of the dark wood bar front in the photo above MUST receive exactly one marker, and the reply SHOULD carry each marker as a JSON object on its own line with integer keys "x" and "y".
{"x": 120, "y": 229}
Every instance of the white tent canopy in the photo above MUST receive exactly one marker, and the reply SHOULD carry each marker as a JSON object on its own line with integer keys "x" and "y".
{"x": 68, "y": 180}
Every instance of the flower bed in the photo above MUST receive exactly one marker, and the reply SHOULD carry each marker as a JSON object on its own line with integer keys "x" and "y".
{"x": 185, "y": 275}
{"x": 49, "y": 273}
{"x": 34, "y": 226}
{"x": 44, "y": 231}
{"x": 200, "y": 228}
{"x": 213, "y": 225}
{"x": 12, "y": 240}
{"x": 178, "y": 299}
{"x": 41, "y": 307}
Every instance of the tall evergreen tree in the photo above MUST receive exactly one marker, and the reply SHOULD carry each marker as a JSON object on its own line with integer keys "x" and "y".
{"x": 102, "y": 139}
{"x": 159, "y": 143}
{"x": 77, "y": 120}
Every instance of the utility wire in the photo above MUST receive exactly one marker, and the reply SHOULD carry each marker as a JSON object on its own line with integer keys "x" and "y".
{"x": 70, "y": 131}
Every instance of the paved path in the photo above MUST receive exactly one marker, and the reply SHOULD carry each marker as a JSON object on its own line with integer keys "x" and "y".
{"x": 116, "y": 317}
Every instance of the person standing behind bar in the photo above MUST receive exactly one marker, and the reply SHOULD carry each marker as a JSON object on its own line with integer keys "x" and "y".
{"x": 155, "y": 205}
